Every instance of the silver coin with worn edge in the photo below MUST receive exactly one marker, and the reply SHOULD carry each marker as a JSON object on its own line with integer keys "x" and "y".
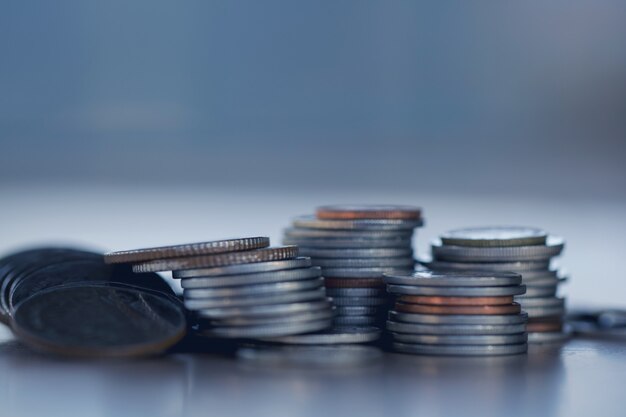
{"x": 384, "y": 263}
{"x": 455, "y": 329}
{"x": 287, "y": 275}
{"x": 469, "y": 339}
{"x": 263, "y": 331}
{"x": 495, "y": 236}
{"x": 335, "y": 356}
{"x": 362, "y": 272}
{"x": 539, "y": 291}
{"x": 355, "y": 292}
{"x": 521, "y": 267}
{"x": 360, "y": 301}
{"x": 455, "y": 279}
{"x": 458, "y": 291}
{"x": 341, "y": 335}
{"x": 460, "y": 350}
{"x": 549, "y": 302}
{"x": 543, "y": 311}
{"x": 242, "y": 269}
{"x": 321, "y": 314}
{"x": 297, "y": 233}
{"x": 190, "y": 249}
{"x": 316, "y": 253}
{"x": 547, "y": 337}
{"x": 263, "y": 310}
{"x": 311, "y": 222}
{"x": 438, "y": 319}
{"x": 253, "y": 290}
{"x": 348, "y": 243}
{"x": 356, "y": 321}
{"x": 553, "y": 247}
{"x": 356, "y": 310}
{"x": 276, "y": 298}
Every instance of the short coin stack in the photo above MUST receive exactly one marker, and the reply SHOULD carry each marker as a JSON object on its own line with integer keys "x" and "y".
{"x": 354, "y": 246}
{"x": 460, "y": 314}
{"x": 527, "y": 251}
{"x": 241, "y": 288}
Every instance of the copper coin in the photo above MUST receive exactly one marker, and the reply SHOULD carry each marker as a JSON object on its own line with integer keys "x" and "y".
{"x": 543, "y": 325}
{"x": 457, "y": 301}
{"x": 358, "y": 212}
{"x": 513, "y": 308}
{"x": 354, "y": 283}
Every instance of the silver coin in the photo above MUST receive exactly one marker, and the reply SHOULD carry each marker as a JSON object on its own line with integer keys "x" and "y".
{"x": 547, "y": 337}
{"x": 254, "y": 290}
{"x": 334, "y": 356}
{"x": 460, "y": 350}
{"x": 362, "y": 272}
{"x": 543, "y": 311}
{"x": 320, "y": 314}
{"x": 348, "y": 243}
{"x": 468, "y": 339}
{"x": 495, "y": 236}
{"x": 316, "y": 253}
{"x": 455, "y": 329}
{"x": 311, "y": 222}
{"x": 539, "y": 291}
{"x": 267, "y": 330}
{"x": 553, "y": 247}
{"x": 334, "y": 336}
{"x": 355, "y": 292}
{"x": 298, "y": 233}
{"x": 251, "y": 268}
{"x": 356, "y": 310}
{"x": 546, "y": 281}
{"x": 360, "y": 301}
{"x": 520, "y": 267}
{"x": 455, "y": 279}
{"x": 274, "y": 298}
{"x": 287, "y": 275}
{"x": 384, "y": 263}
{"x": 458, "y": 291}
{"x": 546, "y": 302}
{"x": 268, "y": 310}
{"x": 356, "y": 321}
{"x": 439, "y": 319}
{"x": 548, "y": 273}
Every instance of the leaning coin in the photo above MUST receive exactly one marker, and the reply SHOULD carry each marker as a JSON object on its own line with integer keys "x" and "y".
{"x": 458, "y": 291}
{"x": 255, "y": 300}
{"x": 354, "y": 211}
{"x": 191, "y": 249}
{"x": 460, "y": 350}
{"x": 358, "y": 253}
{"x": 334, "y": 336}
{"x": 459, "y": 301}
{"x": 496, "y": 236}
{"x": 333, "y": 356}
{"x": 356, "y": 292}
{"x": 264, "y": 310}
{"x": 103, "y": 321}
{"x": 311, "y": 222}
{"x": 267, "y": 330}
{"x": 438, "y": 319}
{"x": 241, "y": 269}
{"x": 247, "y": 279}
{"x": 320, "y": 314}
{"x": 254, "y": 290}
{"x": 383, "y": 264}
{"x": 347, "y": 243}
{"x": 359, "y": 273}
{"x": 356, "y": 321}
{"x": 468, "y": 339}
{"x": 479, "y": 310}
{"x": 553, "y": 247}
{"x": 300, "y": 233}
{"x": 360, "y": 301}
{"x": 548, "y": 337}
{"x": 521, "y": 267}
{"x": 356, "y": 310}
{"x": 455, "y": 279}
{"x": 230, "y": 258}
{"x": 455, "y": 329}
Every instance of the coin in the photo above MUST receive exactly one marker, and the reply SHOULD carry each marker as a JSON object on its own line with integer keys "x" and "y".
{"x": 224, "y": 259}
{"x": 263, "y": 310}
{"x": 359, "y": 301}
{"x": 539, "y": 291}
{"x": 555, "y": 325}
{"x": 252, "y": 279}
{"x": 353, "y": 212}
{"x": 549, "y": 302}
{"x": 455, "y": 279}
{"x": 313, "y": 315}
{"x": 437, "y": 319}
{"x": 311, "y": 222}
{"x": 333, "y": 356}
{"x": 495, "y": 236}
{"x": 522, "y": 266}
{"x": 548, "y": 337}
{"x": 257, "y": 300}
{"x": 461, "y": 350}
{"x": 553, "y": 247}
{"x": 334, "y": 336}
{"x": 268, "y": 330}
{"x": 356, "y": 292}
{"x": 458, "y": 291}
{"x": 356, "y": 310}
{"x": 383, "y": 264}
{"x": 456, "y": 329}
{"x": 460, "y": 301}
{"x": 467, "y": 339}
{"x": 354, "y": 283}
{"x": 375, "y": 235}
{"x": 361, "y": 273}
{"x": 254, "y": 290}
{"x": 191, "y": 249}
{"x": 358, "y": 253}
{"x": 98, "y": 321}
{"x": 241, "y": 269}
{"x": 544, "y": 311}
{"x": 482, "y": 310}
{"x": 348, "y": 243}
{"x": 355, "y": 321}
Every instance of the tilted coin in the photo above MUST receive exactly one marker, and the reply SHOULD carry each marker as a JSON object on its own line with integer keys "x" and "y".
{"x": 334, "y": 356}
{"x": 264, "y": 310}
{"x": 230, "y": 258}
{"x": 495, "y": 236}
{"x": 455, "y": 279}
{"x": 254, "y": 290}
{"x": 267, "y": 330}
{"x": 316, "y": 253}
{"x": 342, "y": 335}
{"x": 190, "y": 249}
{"x": 304, "y": 233}
{"x": 521, "y": 267}
{"x": 460, "y": 350}
{"x": 539, "y": 291}
{"x": 361, "y": 273}
{"x": 437, "y": 319}
{"x": 354, "y": 211}
{"x": 456, "y": 329}
{"x": 320, "y": 314}
{"x": 467, "y": 339}
{"x": 457, "y": 291}
{"x": 252, "y": 279}
{"x": 543, "y": 302}
{"x": 241, "y": 269}
{"x": 460, "y": 301}
{"x": 354, "y": 283}
{"x": 548, "y": 337}
{"x": 356, "y": 321}
{"x": 103, "y": 321}
{"x": 355, "y": 292}
{"x": 257, "y": 300}
{"x": 347, "y": 243}
{"x": 408, "y": 307}
{"x": 385, "y": 264}
{"x": 360, "y": 301}
{"x": 553, "y": 247}
{"x": 312, "y": 222}
{"x": 356, "y": 310}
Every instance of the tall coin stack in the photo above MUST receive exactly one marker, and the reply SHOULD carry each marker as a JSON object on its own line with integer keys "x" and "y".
{"x": 241, "y": 288}
{"x": 527, "y": 251}
{"x": 354, "y": 246}
{"x": 461, "y": 314}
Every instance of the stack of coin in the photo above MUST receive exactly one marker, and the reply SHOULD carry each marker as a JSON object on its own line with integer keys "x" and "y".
{"x": 354, "y": 246}
{"x": 527, "y": 251}
{"x": 461, "y": 314}
{"x": 241, "y": 288}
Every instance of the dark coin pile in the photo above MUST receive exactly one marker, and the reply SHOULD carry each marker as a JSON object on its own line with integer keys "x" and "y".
{"x": 69, "y": 302}
{"x": 461, "y": 314}
{"x": 242, "y": 288}
{"x": 354, "y": 246}
{"x": 523, "y": 250}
